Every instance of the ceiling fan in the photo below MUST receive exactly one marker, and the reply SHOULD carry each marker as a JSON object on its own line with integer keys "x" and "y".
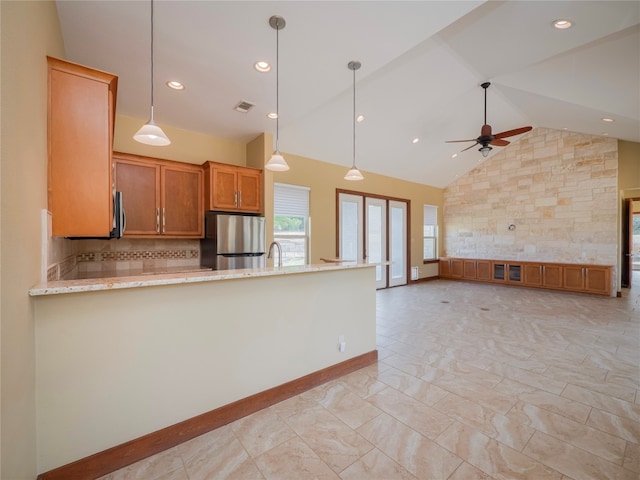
{"x": 486, "y": 139}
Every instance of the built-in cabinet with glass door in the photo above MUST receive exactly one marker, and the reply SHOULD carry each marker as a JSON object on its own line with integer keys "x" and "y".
{"x": 558, "y": 276}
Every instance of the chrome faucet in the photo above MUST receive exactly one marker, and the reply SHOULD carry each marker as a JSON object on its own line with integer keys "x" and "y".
{"x": 276, "y": 244}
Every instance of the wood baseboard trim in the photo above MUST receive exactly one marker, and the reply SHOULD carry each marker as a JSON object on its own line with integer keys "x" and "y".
{"x": 426, "y": 279}
{"x": 120, "y": 456}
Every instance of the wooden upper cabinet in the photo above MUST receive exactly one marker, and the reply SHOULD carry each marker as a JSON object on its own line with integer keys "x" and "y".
{"x": 182, "y": 200}
{"x": 231, "y": 188}
{"x": 161, "y": 198}
{"x": 139, "y": 183}
{"x": 81, "y": 119}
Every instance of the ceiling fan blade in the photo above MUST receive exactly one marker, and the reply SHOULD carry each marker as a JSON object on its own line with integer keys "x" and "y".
{"x": 509, "y": 133}
{"x": 498, "y": 142}
{"x": 456, "y": 141}
{"x": 469, "y": 147}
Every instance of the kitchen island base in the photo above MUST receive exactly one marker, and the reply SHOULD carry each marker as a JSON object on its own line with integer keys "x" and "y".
{"x": 119, "y": 364}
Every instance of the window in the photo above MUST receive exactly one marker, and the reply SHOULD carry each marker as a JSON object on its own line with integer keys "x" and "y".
{"x": 430, "y": 233}
{"x": 291, "y": 223}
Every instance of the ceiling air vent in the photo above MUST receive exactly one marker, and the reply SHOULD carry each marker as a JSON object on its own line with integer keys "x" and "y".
{"x": 243, "y": 106}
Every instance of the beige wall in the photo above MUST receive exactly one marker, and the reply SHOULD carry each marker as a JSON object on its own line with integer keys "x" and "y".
{"x": 186, "y": 146}
{"x": 324, "y": 178}
{"x": 134, "y": 361}
{"x": 30, "y": 31}
{"x": 558, "y": 188}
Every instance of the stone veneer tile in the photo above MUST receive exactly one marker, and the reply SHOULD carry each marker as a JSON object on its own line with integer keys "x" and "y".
{"x": 565, "y": 183}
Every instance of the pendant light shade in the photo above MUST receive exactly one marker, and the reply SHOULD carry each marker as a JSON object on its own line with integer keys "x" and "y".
{"x": 277, "y": 163}
{"x": 354, "y": 174}
{"x": 150, "y": 133}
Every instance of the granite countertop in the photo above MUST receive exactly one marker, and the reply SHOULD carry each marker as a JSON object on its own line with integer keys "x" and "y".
{"x": 155, "y": 279}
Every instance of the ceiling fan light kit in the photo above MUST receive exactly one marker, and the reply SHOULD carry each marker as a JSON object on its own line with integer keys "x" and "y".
{"x": 150, "y": 133}
{"x": 277, "y": 163}
{"x": 486, "y": 138}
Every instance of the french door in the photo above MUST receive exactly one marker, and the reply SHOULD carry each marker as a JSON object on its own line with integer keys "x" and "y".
{"x": 374, "y": 229}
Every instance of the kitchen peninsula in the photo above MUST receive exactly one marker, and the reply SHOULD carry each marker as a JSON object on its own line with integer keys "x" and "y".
{"x": 125, "y": 357}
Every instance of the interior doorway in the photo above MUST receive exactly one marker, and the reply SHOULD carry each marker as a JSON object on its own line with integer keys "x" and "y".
{"x": 630, "y": 261}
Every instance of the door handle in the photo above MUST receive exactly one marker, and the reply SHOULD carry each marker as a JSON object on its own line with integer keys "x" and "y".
{"x": 164, "y": 223}
{"x": 157, "y": 220}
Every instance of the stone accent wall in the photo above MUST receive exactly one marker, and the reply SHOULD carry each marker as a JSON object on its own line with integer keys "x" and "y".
{"x": 556, "y": 189}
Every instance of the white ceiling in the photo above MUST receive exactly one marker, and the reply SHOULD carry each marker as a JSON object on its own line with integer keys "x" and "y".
{"x": 422, "y": 66}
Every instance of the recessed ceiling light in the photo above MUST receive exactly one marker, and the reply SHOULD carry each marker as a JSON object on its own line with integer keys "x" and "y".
{"x": 272, "y": 115}
{"x": 454, "y": 155}
{"x": 262, "y": 66}
{"x": 415, "y": 140}
{"x": 605, "y": 134}
{"x": 175, "y": 85}
{"x": 562, "y": 24}
{"x": 607, "y": 119}
{"x": 360, "y": 118}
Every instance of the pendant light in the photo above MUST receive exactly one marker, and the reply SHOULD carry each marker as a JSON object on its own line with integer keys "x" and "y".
{"x": 150, "y": 133}
{"x": 277, "y": 163}
{"x": 354, "y": 174}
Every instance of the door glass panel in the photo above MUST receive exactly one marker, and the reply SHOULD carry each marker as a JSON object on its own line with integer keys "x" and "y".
{"x": 376, "y": 238}
{"x": 351, "y": 245}
{"x": 398, "y": 243}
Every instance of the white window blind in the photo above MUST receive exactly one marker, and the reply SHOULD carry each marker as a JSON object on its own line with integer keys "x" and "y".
{"x": 430, "y": 215}
{"x": 291, "y": 222}
{"x": 430, "y": 232}
{"x": 290, "y": 200}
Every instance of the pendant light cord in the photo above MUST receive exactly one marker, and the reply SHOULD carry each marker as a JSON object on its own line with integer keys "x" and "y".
{"x": 354, "y": 118}
{"x": 277, "y": 83}
{"x": 152, "y": 59}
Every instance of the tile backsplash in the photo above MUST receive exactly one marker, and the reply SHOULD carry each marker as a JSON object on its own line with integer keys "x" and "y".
{"x": 104, "y": 258}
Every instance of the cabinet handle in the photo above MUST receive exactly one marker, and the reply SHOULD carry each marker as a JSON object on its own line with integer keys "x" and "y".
{"x": 240, "y": 199}
{"x": 235, "y": 199}
{"x": 164, "y": 224}
{"x": 157, "y": 220}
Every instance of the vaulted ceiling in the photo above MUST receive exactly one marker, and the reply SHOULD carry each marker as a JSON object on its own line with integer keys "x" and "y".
{"x": 422, "y": 66}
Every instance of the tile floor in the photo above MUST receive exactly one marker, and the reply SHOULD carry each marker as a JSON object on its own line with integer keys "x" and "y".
{"x": 473, "y": 381}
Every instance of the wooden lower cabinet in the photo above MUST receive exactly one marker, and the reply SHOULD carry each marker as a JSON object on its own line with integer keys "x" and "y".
{"x": 576, "y": 278}
{"x": 451, "y": 267}
{"x": 483, "y": 270}
{"x": 469, "y": 270}
{"x": 552, "y": 276}
{"x": 443, "y": 268}
{"x": 587, "y": 278}
{"x": 532, "y": 275}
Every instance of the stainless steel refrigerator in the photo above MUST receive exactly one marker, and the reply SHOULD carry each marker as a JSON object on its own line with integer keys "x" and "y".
{"x": 233, "y": 241}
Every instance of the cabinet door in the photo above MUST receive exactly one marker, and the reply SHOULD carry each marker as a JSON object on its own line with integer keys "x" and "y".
{"x": 140, "y": 187}
{"x": 443, "y": 265}
{"x": 469, "y": 269}
{"x": 182, "y": 201}
{"x": 532, "y": 275}
{"x": 573, "y": 277}
{"x": 552, "y": 276}
{"x": 81, "y": 113}
{"x": 483, "y": 270}
{"x": 514, "y": 273}
{"x": 598, "y": 280}
{"x": 457, "y": 267}
{"x": 224, "y": 193}
{"x": 499, "y": 272}
{"x": 250, "y": 190}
